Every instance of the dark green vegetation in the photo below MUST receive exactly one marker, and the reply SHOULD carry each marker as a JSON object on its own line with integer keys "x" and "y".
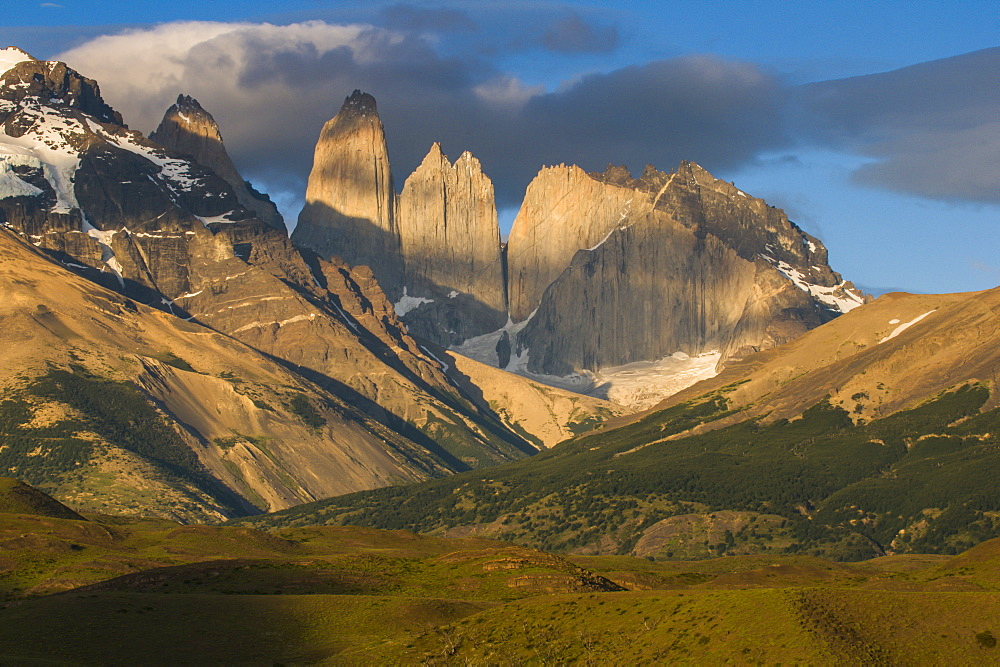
{"x": 301, "y": 406}
{"x": 52, "y": 450}
{"x": 921, "y": 480}
{"x": 120, "y": 591}
{"x": 16, "y": 497}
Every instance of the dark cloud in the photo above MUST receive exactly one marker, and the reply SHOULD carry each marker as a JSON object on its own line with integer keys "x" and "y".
{"x": 712, "y": 111}
{"x": 273, "y": 87}
{"x": 411, "y": 18}
{"x": 571, "y": 34}
{"x": 933, "y": 129}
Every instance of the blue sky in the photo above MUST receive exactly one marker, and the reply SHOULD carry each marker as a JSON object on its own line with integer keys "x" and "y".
{"x": 865, "y": 121}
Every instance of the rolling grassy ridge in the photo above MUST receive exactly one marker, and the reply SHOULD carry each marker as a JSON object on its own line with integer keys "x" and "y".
{"x": 126, "y": 591}
{"x": 916, "y": 481}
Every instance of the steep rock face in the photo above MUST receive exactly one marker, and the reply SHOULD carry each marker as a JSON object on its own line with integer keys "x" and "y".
{"x": 564, "y": 210}
{"x": 653, "y": 289}
{"x": 664, "y": 263}
{"x": 350, "y": 197}
{"x": 188, "y": 129}
{"x": 82, "y": 185}
{"x": 450, "y": 246}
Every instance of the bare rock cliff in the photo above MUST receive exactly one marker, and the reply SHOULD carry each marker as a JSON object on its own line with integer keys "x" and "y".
{"x": 350, "y": 198}
{"x": 642, "y": 268}
{"x": 564, "y": 210}
{"x": 450, "y": 246}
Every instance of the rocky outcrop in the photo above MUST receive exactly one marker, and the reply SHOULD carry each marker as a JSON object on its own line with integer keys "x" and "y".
{"x": 664, "y": 263}
{"x": 350, "y": 197}
{"x": 450, "y": 246}
{"x": 262, "y": 431}
{"x": 655, "y": 288}
{"x": 434, "y": 248}
{"x": 600, "y": 269}
{"x": 188, "y": 129}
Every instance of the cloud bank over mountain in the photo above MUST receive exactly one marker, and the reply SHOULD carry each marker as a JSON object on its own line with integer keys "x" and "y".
{"x": 931, "y": 129}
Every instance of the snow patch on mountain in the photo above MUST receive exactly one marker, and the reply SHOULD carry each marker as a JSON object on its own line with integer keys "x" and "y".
{"x": 10, "y": 57}
{"x": 11, "y": 185}
{"x": 176, "y": 172}
{"x": 105, "y": 240}
{"x": 903, "y": 327}
{"x": 221, "y": 219}
{"x": 839, "y": 298}
{"x": 484, "y": 348}
{"x": 637, "y": 385}
{"x": 407, "y": 303}
{"x": 618, "y": 226}
{"x": 43, "y": 146}
{"x": 49, "y": 145}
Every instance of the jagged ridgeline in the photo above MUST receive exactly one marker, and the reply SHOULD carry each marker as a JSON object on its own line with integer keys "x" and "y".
{"x": 876, "y": 433}
{"x": 153, "y": 269}
{"x": 600, "y": 269}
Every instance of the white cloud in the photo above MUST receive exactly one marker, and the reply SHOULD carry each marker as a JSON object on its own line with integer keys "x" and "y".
{"x": 141, "y": 71}
{"x": 506, "y": 92}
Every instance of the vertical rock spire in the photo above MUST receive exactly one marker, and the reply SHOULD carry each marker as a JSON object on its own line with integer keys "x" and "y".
{"x": 450, "y": 243}
{"x": 350, "y": 198}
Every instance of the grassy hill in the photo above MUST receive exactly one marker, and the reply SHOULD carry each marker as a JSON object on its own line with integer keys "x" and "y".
{"x": 875, "y": 433}
{"x": 16, "y": 497}
{"x": 130, "y": 591}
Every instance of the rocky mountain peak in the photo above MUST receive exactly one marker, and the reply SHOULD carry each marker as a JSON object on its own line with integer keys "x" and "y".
{"x": 189, "y": 129}
{"x": 359, "y": 104}
{"x": 11, "y": 56}
{"x": 187, "y": 103}
{"x": 469, "y": 162}
{"x": 434, "y": 158}
{"x": 54, "y": 83}
{"x": 186, "y": 121}
{"x": 615, "y": 175}
{"x": 350, "y": 196}
{"x": 450, "y": 245}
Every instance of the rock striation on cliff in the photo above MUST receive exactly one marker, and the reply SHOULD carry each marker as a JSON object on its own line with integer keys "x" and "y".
{"x": 450, "y": 247}
{"x": 188, "y": 129}
{"x": 600, "y": 269}
{"x": 612, "y": 269}
{"x": 434, "y": 248}
{"x": 564, "y": 210}
{"x": 350, "y": 209}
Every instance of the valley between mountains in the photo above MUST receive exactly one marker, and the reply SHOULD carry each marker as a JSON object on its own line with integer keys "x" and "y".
{"x": 647, "y": 420}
